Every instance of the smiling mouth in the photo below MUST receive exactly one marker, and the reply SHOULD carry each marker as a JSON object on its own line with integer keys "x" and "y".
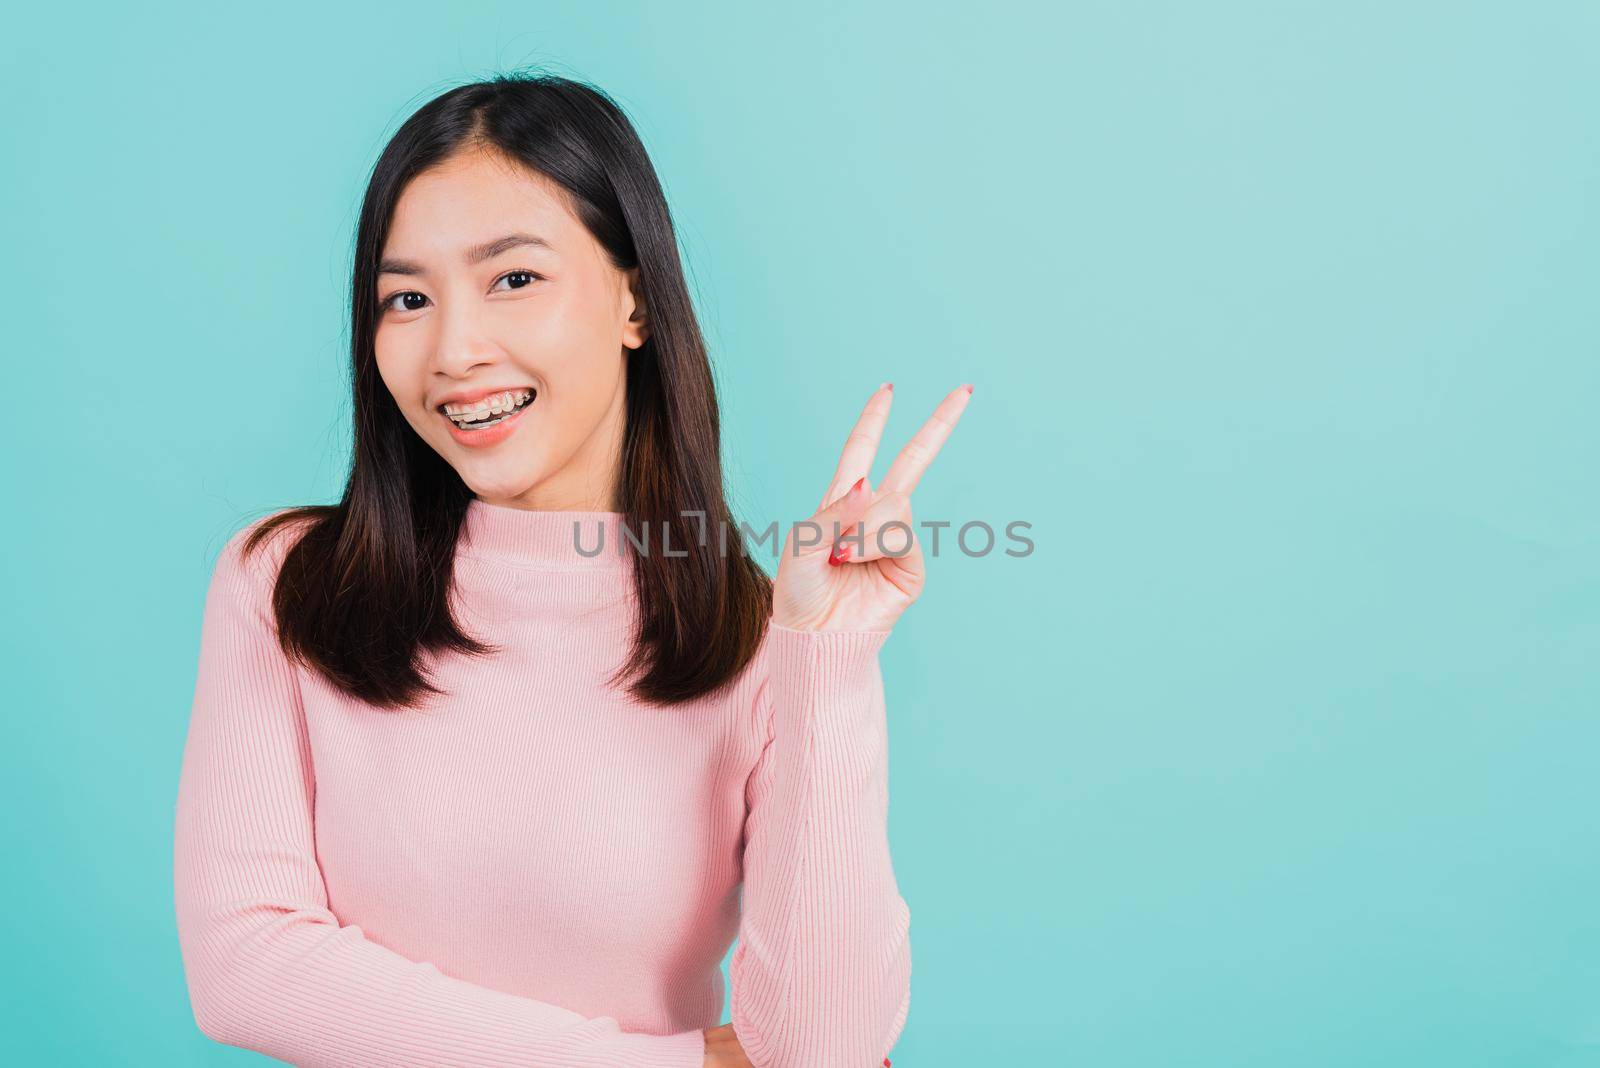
{"x": 480, "y": 420}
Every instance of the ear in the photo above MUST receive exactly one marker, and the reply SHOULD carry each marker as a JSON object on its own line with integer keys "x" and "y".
{"x": 637, "y": 328}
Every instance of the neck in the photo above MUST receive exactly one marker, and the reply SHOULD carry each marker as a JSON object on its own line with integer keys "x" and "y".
{"x": 559, "y": 539}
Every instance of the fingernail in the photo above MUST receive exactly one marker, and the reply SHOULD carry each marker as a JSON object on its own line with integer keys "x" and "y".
{"x": 857, "y": 487}
{"x": 888, "y": 386}
{"x": 840, "y": 554}
{"x": 968, "y": 388}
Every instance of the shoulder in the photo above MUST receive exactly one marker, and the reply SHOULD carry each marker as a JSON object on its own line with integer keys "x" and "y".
{"x": 254, "y": 554}
{"x": 245, "y": 573}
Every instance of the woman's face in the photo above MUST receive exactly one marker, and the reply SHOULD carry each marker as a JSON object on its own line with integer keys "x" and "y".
{"x": 489, "y": 283}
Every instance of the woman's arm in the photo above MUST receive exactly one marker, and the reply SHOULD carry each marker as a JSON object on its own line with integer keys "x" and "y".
{"x": 269, "y": 967}
{"x": 822, "y": 971}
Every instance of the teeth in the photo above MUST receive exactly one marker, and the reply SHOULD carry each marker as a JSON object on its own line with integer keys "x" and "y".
{"x": 497, "y": 404}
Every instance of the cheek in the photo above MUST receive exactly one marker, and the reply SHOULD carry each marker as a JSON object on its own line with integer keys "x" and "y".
{"x": 549, "y": 325}
{"x": 397, "y": 351}
{"x": 395, "y": 356}
{"x": 572, "y": 346}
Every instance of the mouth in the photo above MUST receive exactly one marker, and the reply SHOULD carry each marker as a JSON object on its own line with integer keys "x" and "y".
{"x": 477, "y": 418}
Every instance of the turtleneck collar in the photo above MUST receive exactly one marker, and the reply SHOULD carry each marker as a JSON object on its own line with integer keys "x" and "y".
{"x": 550, "y": 540}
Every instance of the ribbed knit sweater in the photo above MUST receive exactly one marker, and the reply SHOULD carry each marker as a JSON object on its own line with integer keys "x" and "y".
{"x": 536, "y": 869}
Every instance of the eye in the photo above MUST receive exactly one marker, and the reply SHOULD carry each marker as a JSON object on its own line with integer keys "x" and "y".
{"x": 409, "y": 300}
{"x": 515, "y": 280}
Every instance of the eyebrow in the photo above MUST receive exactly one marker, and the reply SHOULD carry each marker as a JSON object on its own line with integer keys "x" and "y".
{"x": 475, "y": 254}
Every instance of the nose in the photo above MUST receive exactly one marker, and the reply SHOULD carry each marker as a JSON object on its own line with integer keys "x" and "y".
{"x": 463, "y": 343}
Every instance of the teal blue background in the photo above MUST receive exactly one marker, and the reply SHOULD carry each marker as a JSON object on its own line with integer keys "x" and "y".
{"x": 1280, "y": 749}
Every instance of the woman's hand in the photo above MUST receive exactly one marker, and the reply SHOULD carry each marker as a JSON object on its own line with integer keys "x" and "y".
{"x": 723, "y": 1049}
{"x": 870, "y": 585}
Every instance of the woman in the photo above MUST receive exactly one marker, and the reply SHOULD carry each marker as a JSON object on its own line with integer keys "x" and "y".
{"x": 460, "y": 790}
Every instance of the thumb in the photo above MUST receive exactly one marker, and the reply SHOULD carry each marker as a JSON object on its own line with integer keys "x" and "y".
{"x": 843, "y": 512}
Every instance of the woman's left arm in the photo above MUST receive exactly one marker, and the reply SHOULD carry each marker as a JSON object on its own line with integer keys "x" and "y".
{"x": 822, "y": 972}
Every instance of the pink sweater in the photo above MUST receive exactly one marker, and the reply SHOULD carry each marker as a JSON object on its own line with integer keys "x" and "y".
{"x": 536, "y": 870}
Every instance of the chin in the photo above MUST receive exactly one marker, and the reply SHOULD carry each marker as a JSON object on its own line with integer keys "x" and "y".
{"x": 490, "y": 488}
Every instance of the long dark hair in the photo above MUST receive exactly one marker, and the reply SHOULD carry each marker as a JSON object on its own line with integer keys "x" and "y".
{"x": 364, "y": 590}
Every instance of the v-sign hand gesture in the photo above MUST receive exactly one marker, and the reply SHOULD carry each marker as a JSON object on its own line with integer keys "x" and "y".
{"x": 870, "y": 586}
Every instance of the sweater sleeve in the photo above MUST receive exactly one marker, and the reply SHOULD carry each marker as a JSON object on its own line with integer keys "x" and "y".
{"x": 822, "y": 971}
{"x": 269, "y": 967}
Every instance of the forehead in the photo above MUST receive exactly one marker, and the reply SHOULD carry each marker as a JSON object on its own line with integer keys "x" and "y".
{"x": 480, "y": 195}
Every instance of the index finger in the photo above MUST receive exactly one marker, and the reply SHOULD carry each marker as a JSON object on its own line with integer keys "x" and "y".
{"x": 861, "y": 447}
{"x": 924, "y": 445}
